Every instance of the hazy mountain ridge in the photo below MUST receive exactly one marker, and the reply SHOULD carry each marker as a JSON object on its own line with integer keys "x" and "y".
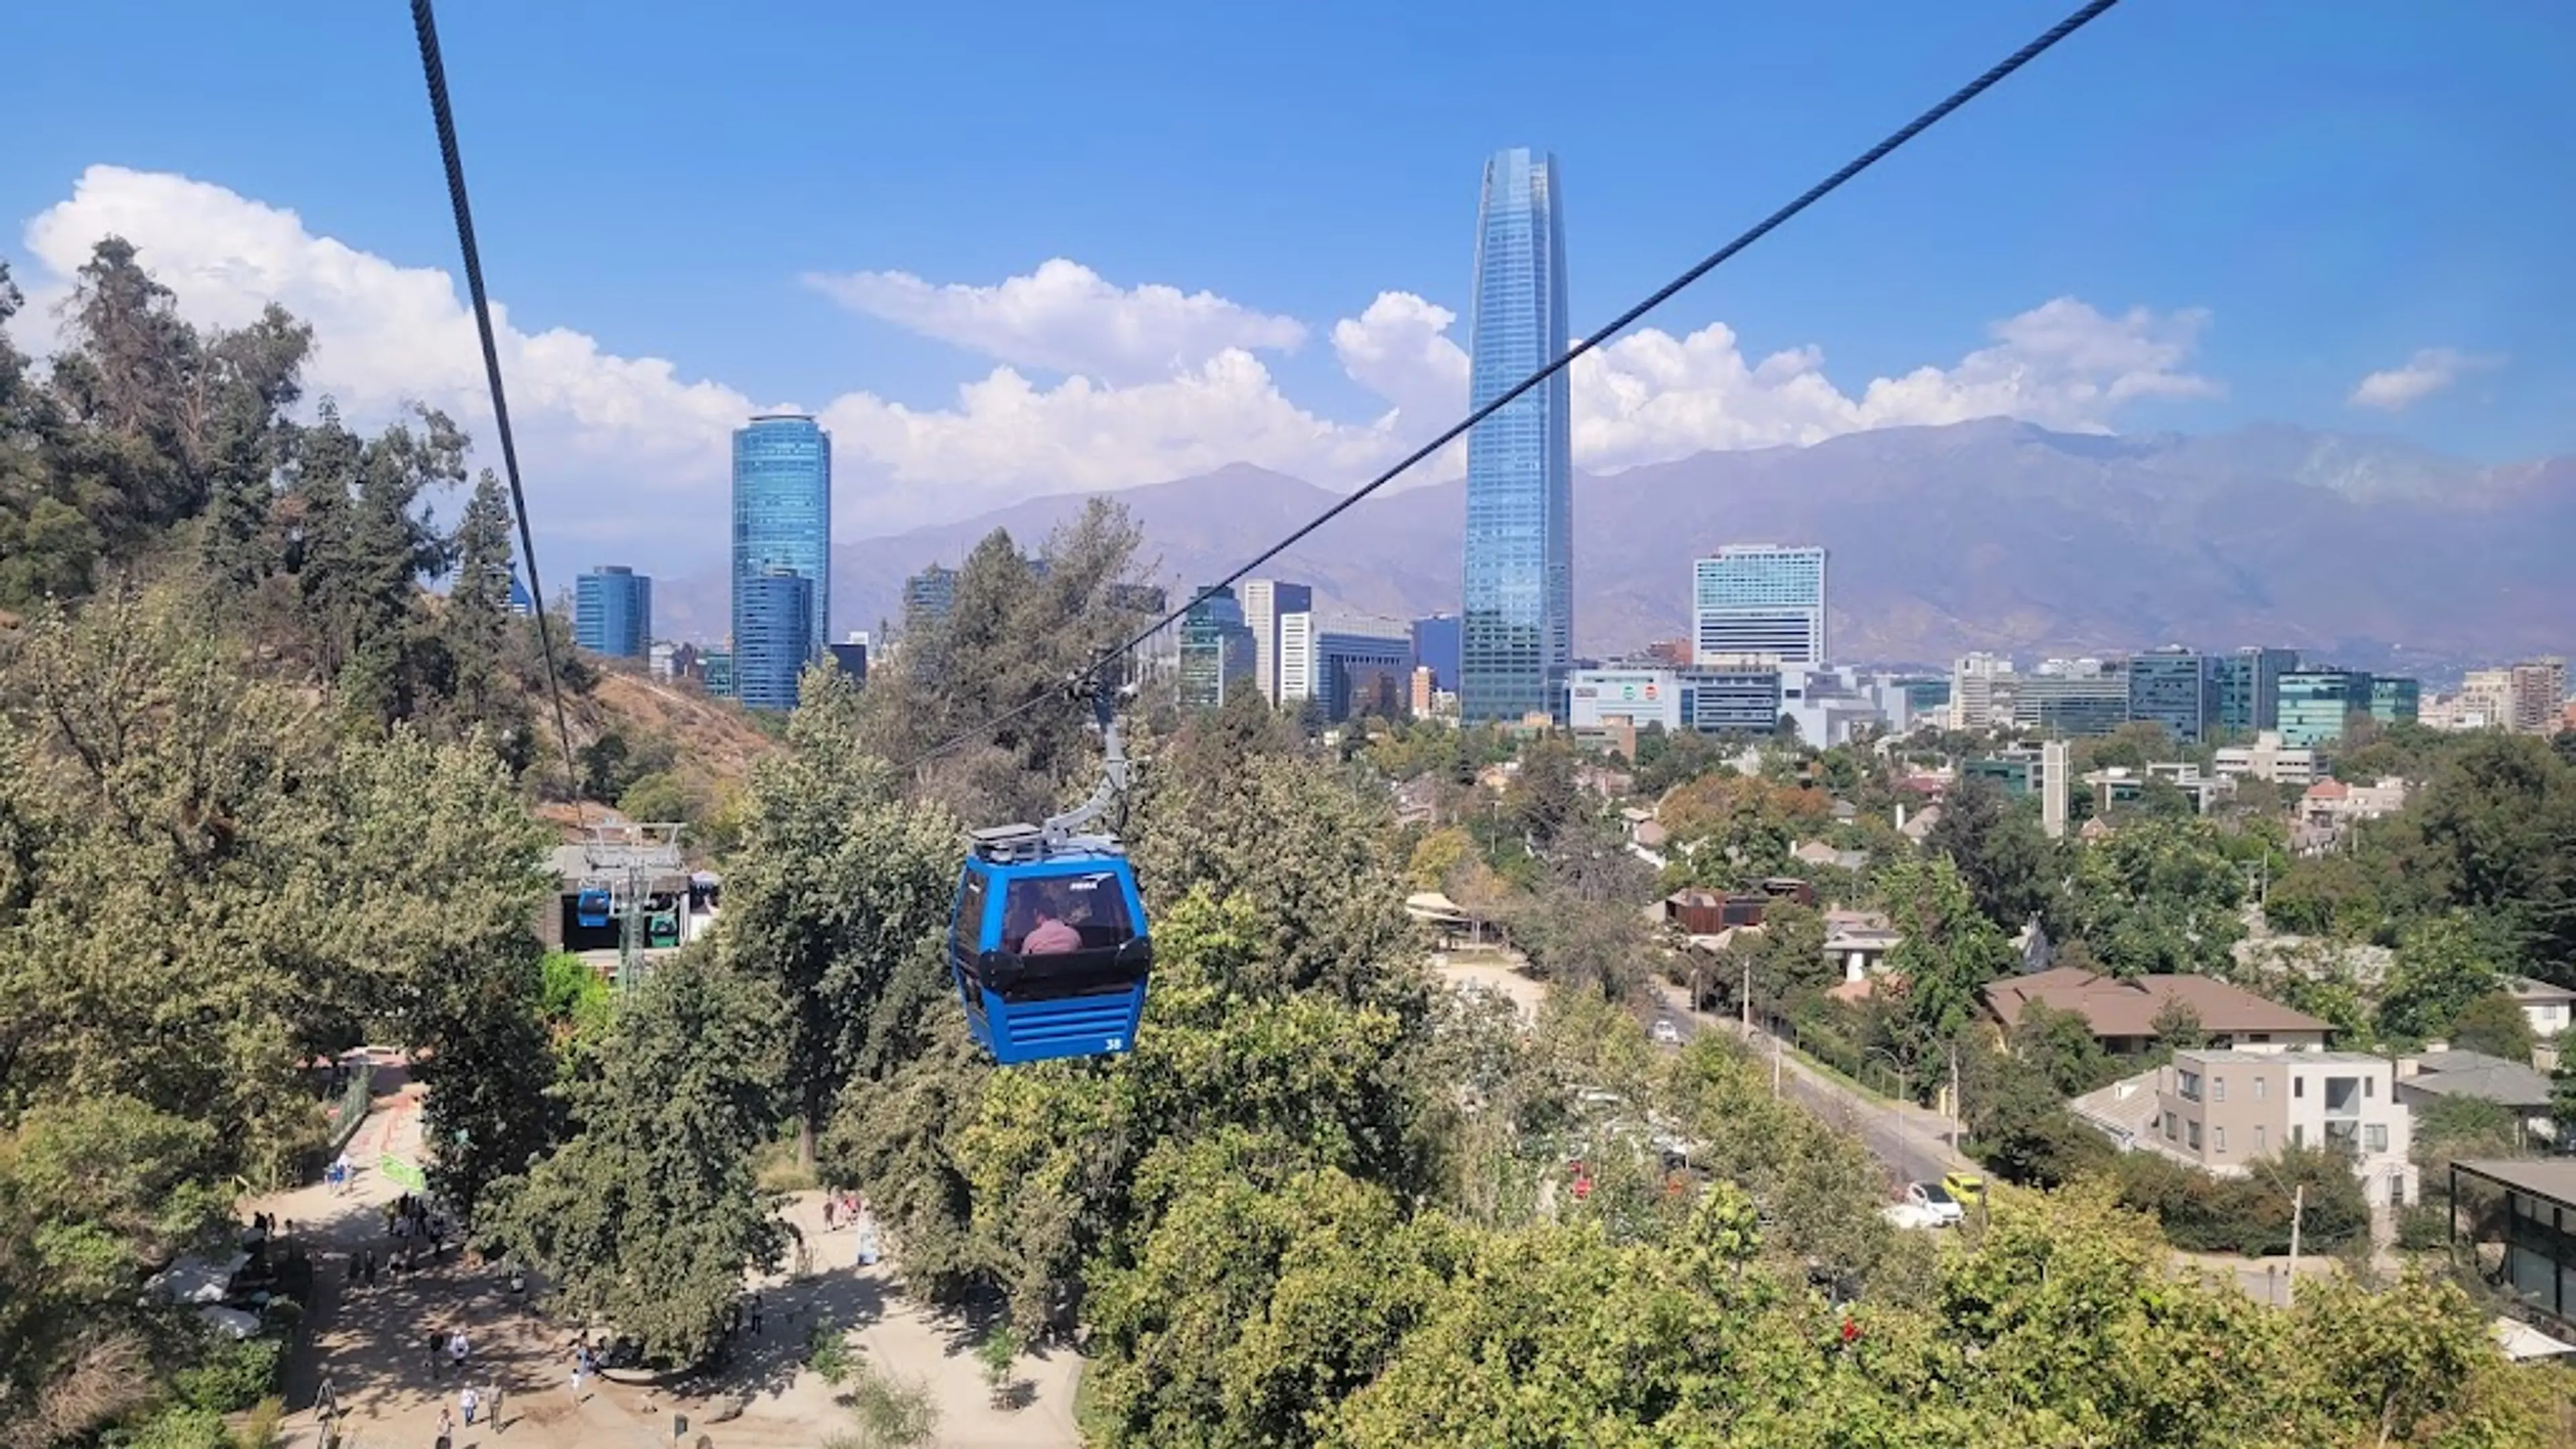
{"x": 1989, "y": 534}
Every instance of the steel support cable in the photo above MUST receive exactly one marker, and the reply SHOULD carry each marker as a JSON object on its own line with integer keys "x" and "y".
{"x": 434, "y": 71}
{"x": 1993, "y": 76}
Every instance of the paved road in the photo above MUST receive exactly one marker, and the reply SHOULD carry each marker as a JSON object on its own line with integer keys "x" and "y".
{"x": 1912, "y": 1142}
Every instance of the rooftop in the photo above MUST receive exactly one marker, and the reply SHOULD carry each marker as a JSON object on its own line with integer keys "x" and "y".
{"x": 2117, "y": 1007}
{"x": 2526, "y": 989}
{"x": 2476, "y": 1074}
{"x": 2228, "y": 1057}
{"x": 2553, "y": 1177}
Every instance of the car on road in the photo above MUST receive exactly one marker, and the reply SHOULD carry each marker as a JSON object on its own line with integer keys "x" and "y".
{"x": 1967, "y": 1187}
{"x": 1935, "y": 1202}
{"x": 1665, "y": 1033}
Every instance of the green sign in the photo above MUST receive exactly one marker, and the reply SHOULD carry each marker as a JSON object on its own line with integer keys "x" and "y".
{"x": 402, "y": 1174}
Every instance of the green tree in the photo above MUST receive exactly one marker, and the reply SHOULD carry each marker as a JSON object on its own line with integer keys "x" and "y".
{"x": 840, "y": 896}
{"x": 1949, "y": 950}
{"x": 2495, "y": 1024}
{"x": 2010, "y": 865}
{"x": 2442, "y": 966}
{"x": 2157, "y": 897}
{"x": 2061, "y": 1046}
{"x": 649, "y": 1217}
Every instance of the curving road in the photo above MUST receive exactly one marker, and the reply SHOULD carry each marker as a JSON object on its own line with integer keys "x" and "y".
{"x": 1912, "y": 1142}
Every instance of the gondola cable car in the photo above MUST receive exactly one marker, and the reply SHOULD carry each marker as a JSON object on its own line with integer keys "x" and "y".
{"x": 1048, "y": 939}
{"x": 592, "y": 905}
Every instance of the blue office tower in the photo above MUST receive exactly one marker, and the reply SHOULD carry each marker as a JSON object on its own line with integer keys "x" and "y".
{"x": 774, "y": 615}
{"x": 782, "y": 520}
{"x": 613, "y": 612}
{"x": 782, "y": 510}
{"x": 1517, "y": 636}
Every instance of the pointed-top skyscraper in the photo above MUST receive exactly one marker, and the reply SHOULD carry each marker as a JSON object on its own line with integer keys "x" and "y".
{"x": 1517, "y": 629}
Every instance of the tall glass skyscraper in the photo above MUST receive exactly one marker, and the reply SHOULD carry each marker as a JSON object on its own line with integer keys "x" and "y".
{"x": 613, "y": 612}
{"x": 1517, "y": 630}
{"x": 782, "y": 519}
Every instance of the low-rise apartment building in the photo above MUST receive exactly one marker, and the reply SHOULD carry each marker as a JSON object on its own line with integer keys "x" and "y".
{"x": 2223, "y": 1111}
{"x": 2123, "y": 1012}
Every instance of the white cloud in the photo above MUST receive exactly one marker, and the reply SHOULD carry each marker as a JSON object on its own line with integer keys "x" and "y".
{"x": 1065, "y": 318}
{"x": 627, "y": 453}
{"x": 2429, "y": 371}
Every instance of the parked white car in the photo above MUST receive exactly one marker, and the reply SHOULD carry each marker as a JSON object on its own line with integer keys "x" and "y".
{"x": 1934, "y": 1201}
{"x": 1665, "y": 1033}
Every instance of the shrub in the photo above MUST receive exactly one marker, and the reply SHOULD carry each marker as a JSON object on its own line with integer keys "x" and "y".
{"x": 2248, "y": 1215}
{"x": 233, "y": 1375}
{"x": 2423, "y": 1228}
{"x": 827, "y": 1352}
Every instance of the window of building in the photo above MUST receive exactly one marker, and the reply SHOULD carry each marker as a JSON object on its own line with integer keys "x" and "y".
{"x": 2374, "y": 1138}
{"x": 2298, "y": 1135}
{"x": 2191, "y": 1133}
{"x": 2190, "y": 1086}
{"x": 2218, "y": 1089}
{"x": 2397, "y": 1189}
{"x": 2298, "y": 1086}
{"x": 2370, "y": 1086}
{"x": 2218, "y": 1139}
{"x": 2262, "y": 1085}
{"x": 2343, "y": 1096}
{"x": 2169, "y": 1126}
{"x": 2258, "y": 1137}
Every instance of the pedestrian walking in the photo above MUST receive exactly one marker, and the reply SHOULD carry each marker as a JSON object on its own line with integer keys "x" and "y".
{"x": 492, "y": 1402}
{"x": 457, "y": 1349}
{"x": 371, "y": 1267}
{"x": 437, "y": 1353}
{"x": 353, "y": 1270}
{"x": 469, "y": 1401}
{"x": 755, "y": 1313}
{"x": 446, "y": 1427}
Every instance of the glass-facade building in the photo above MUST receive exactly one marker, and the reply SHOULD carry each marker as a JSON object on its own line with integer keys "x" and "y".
{"x": 2315, "y": 703}
{"x": 2171, "y": 687}
{"x": 771, "y": 645}
{"x": 1216, "y": 650}
{"x": 612, "y": 612}
{"x": 2396, "y": 700}
{"x": 1363, "y": 674}
{"x": 1435, "y": 647}
{"x": 2246, "y": 688}
{"x": 782, "y": 521}
{"x": 929, "y": 595}
{"x": 2064, "y": 704}
{"x": 1760, "y": 600}
{"x": 1516, "y": 638}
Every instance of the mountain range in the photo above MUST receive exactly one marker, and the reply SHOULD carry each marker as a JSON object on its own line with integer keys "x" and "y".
{"x": 1980, "y": 535}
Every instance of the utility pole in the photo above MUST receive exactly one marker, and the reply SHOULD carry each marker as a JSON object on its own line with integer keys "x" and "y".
{"x": 2298, "y": 1210}
{"x": 1747, "y": 999}
{"x": 1775, "y": 1065}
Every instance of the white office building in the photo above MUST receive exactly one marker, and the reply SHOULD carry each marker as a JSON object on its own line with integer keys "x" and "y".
{"x": 1762, "y": 600}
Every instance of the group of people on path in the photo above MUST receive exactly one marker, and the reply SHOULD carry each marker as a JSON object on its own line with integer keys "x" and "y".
{"x": 850, "y": 1210}
{"x": 412, "y": 1224}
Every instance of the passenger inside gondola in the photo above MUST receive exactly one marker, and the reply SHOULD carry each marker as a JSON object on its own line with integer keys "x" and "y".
{"x": 1051, "y": 916}
{"x": 1050, "y": 936}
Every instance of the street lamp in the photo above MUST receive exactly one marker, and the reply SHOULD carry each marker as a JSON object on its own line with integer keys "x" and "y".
{"x": 1904, "y": 1160}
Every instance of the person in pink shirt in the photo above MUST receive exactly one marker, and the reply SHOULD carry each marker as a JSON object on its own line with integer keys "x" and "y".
{"x": 1051, "y": 936}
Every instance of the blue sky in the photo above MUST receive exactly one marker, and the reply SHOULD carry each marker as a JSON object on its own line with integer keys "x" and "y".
{"x": 2339, "y": 186}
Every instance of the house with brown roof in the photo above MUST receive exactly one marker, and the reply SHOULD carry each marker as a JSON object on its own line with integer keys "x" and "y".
{"x": 2123, "y": 1012}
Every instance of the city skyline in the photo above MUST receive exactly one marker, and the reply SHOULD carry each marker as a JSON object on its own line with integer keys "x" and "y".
{"x": 1517, "y": 612}
{"x": 2117, "y": 266}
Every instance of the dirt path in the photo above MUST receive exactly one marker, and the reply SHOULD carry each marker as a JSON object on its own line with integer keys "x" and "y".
{"x": 372, "y": 1343}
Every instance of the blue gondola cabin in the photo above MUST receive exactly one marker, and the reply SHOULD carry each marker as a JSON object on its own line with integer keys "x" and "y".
{"x": 590, "y": 908}
{"x": 1050, "y": 953}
